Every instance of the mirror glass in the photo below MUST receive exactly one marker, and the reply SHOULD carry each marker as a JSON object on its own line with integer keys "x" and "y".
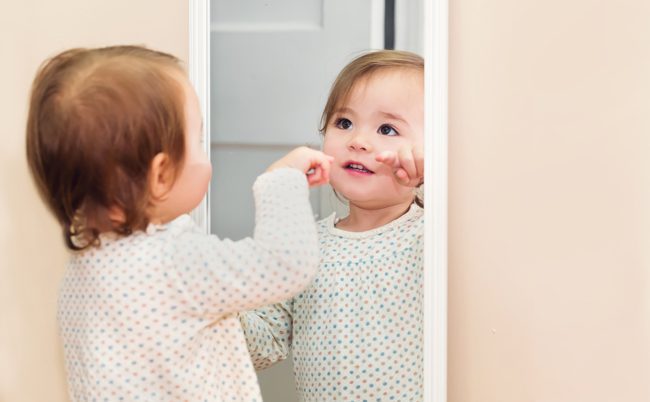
{"x": 272, "y": 65}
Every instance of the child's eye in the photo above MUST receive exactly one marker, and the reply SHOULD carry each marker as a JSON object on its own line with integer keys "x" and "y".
{"x": 385, "y": 129}
{"x": 343, "y": 124}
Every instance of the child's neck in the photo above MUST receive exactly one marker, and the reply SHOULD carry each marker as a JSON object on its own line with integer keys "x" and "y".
{"x": 362, "y": 218}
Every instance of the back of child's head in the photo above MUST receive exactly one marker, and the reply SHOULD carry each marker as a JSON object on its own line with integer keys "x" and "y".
{"x": 97, "y": 117}
{"x": 362, "y": 67}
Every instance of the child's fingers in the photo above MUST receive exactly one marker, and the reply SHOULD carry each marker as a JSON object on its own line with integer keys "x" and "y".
{"x": 407, "y": 163}
{"x": 404, "y": 164}
{"x": 418, "y": 156}
{"x": 306, "y": 160}
{"x": 320, "y": 164}
{"x": 388, "y": 158}
{"x": 316, "y": 177}
{"x": 326, "y": 170}
{"x": 402, "y": 176}
{"x": 310, "y": 159}
{"x": 319, "y": 182}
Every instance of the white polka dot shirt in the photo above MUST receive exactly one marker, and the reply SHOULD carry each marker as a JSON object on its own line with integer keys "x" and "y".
{"x": 152, "y": 316}
{"x": 357, "y": 332}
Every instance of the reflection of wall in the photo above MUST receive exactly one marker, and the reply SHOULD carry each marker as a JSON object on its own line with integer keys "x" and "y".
{"x": 31, "y": 251}
{"x": 549, "y": 203}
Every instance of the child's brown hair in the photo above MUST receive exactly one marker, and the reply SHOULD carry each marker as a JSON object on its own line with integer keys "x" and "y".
{"x": 361, "y": 67}
{"x": 97, "y": 117}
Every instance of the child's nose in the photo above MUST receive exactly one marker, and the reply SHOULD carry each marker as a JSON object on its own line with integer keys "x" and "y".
{"x": 359, "y": 142}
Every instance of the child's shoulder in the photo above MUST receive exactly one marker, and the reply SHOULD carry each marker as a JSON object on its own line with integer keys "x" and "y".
{"x": 325, "y": 223}
{"x": 417, "y": 214}
{"x": 412, "y": 221}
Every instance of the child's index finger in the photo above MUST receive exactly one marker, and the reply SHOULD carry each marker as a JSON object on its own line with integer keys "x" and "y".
{"x": 389, "y": 158}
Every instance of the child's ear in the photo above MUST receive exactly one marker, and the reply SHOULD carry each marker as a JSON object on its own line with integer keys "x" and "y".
{"x": 116, "y": 215}
{"x": 161, "y": 176}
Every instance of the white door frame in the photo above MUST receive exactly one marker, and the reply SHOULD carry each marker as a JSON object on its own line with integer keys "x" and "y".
{"x": 436, "y": 16}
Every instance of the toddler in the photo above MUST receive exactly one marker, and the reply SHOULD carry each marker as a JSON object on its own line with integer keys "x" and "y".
{"x": 148, "y": 303}
{"x": 356, "y": 333}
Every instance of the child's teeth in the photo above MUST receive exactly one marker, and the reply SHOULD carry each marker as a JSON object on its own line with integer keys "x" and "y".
{"x": 358, "y": 167}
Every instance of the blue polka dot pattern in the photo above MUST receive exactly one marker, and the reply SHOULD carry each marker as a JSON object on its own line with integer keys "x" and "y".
{"x": 357, "y": 332}
{"x": 152, "y": 316}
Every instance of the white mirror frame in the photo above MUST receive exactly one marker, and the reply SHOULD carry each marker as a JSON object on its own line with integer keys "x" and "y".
{"x": 436, "y": 16}
{"x": 199, "y": 74}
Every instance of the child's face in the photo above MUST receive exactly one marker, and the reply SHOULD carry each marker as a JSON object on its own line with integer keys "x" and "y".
{"x": 192, "y": 180}
{"x": 384, "y": 112}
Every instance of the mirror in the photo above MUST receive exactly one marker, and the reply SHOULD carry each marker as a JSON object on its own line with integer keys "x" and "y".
{"x": 272, "y": 64}
{"x": 271, "y": 67}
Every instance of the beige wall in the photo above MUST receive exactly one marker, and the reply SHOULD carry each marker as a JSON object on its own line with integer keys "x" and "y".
{"x": 549, "y": 194}
{"x": 31, "y": 251}
{"x": 549, "y": 205}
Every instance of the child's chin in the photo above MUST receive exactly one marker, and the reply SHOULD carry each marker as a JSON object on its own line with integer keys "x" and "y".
{"x": 373, "y": 198}
{"x": 368, "y": 197}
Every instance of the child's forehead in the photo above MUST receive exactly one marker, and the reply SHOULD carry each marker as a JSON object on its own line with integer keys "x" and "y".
{"x": 382, "y": 82}
{"x": 409, "y": 77}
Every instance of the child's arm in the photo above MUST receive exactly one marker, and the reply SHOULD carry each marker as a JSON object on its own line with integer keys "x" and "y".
{"x": 268, "y": 333}
{"x": 217, "y": 277}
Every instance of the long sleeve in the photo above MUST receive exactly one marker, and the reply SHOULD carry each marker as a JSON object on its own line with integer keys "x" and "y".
{"x": 219, "y": 277}
{"x": 150, "y": 316}
{"x": 268, "y": 333}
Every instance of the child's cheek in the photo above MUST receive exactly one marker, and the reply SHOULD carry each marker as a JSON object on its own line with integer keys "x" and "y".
{"x": 198, "y": 174}
{"x": 331, "y": 146}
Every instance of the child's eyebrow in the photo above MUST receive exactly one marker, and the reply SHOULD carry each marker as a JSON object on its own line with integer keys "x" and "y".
{"x": 394, "y": 116}
{"x": 344, "y": 110}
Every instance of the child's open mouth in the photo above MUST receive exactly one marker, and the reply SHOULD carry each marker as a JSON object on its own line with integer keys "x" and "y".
{"x": 356, "y": 167}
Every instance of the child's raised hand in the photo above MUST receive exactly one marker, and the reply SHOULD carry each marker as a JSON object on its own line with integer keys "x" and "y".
{"x": 407, "y": 164}
{"x": 315, "y": 164}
